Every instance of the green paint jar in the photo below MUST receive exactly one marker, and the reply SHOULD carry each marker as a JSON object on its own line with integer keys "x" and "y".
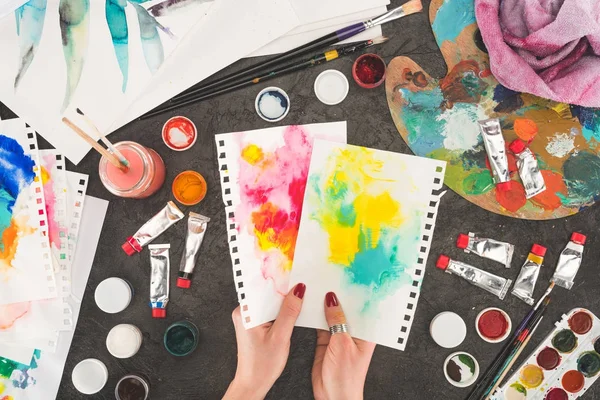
{"x": 181, "y": 338}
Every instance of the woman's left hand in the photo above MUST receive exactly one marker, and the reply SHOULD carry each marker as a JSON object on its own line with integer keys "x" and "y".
{"x": 263, "y": 351}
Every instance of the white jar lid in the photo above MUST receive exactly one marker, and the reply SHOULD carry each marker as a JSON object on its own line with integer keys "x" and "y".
{"x": 89, "y": 376}
{"x": 448, "y": 329}
{"x": 124, "y": 341}
{"x": 331, "y": 87}
{"x": 113, "y": 295}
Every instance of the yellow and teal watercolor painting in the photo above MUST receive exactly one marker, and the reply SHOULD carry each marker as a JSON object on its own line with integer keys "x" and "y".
{"x": 438, "y": 119}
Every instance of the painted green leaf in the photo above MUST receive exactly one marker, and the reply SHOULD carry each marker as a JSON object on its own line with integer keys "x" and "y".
{"x": 519, "y": 388}
{"x": 119, "y": 32}
{"x": 30, "y": 24}
{"x": 151, "y": 42}
{"x": 468, "y": 361}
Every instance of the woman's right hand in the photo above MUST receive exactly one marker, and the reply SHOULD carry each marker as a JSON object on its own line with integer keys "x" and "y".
{"x": 341, "y": 362}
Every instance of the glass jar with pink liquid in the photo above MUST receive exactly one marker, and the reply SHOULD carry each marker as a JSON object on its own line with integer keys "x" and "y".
{"x": 145, "y": 176}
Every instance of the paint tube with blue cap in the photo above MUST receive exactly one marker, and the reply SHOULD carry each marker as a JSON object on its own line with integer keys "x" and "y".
{"x": 159, "y": 279}
{"x": 496, "y": 151}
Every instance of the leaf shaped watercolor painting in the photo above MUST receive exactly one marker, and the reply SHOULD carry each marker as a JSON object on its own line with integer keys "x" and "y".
{"x": 119, "y": 32}
{"x": 30, "y": 23}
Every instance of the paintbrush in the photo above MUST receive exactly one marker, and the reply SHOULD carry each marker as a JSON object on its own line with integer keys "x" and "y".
{"x": 509, "y": 346}
{"x": 514, "y": 359}
{"x": 109, "y": 156}
{"x": 411, "y": 7}
{"x": 104, "y": 140}
{"x": 517, "y": 348}
{"x": 295, "y": 66}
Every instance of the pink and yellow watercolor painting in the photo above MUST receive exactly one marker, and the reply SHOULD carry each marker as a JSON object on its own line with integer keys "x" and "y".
{"x": 264, "y": 175}
{"x": 364, "y": 234}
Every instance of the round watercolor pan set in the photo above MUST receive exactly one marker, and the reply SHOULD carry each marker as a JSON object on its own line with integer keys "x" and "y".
{"x": 564, "y": 366}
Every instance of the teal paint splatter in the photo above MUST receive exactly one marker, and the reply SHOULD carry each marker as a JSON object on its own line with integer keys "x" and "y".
{"x": 347, "y": 215}
{"x": 452, "y": 17}
{"x": 582, "y": 176}
{"x": 589, "y": 118}
{"x": 151, "y": 42}
{"x": 420, "y": 116}
{"x": 18, "y": 373}
{"x": 30, "y": 24}
{"x": 117, "y": 25}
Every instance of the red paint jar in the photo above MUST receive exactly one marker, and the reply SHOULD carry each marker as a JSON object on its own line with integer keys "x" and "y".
{"x": 145, "y": 176}
{"x": 493, "y": 325}
{"x": 368, "y": 71}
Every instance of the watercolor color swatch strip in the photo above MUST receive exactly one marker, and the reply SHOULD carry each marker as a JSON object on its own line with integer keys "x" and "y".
{"x": 25, "y": 257}
{"x": 76, "y": 189}
{"x": 564, "y": 366}
{"x": 365, "y": 233}
{"x": 263, "y": 175}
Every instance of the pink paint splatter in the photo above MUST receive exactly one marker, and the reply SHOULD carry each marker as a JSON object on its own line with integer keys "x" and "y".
{"x": 10, "y": 313}
{"x": 50, "y": 196}
{"x": 271, "y": 201}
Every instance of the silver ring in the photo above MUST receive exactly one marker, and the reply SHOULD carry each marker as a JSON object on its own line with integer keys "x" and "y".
{"x": 338, "y": 328}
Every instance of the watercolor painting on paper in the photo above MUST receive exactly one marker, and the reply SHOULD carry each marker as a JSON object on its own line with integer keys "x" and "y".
{"x": 59, "y": 55}
{"x": 26, "y": 271}
{"x": 366, "y": 225}
{"x": 263, "y": 178}
{"x": 438, "y": 119}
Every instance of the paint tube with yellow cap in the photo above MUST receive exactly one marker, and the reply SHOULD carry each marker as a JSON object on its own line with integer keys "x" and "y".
{"x": 492, "y": 283}
{"x": 525, "y": 283}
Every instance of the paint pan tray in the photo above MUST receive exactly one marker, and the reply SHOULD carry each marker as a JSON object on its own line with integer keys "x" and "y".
{"x": 563, "y": 367}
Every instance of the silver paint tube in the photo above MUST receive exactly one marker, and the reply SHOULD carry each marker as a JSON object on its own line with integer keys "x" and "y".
{"x": 495, "y": 250}
{"x": 569, "y": 261}
{"x": 151, "y": 229}
{"x": 195, "y": 234}
{"x": 525, "y": 283}
{"x": 496, "y": 150}
{"x": 529, "y": 170}
{"x": 494, "y": 284}
{"x": 159, "y": 279}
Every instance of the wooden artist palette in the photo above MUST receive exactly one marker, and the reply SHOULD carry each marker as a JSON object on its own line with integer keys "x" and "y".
{"x": 564, "y": 366}
{"x": 438, "y": 119}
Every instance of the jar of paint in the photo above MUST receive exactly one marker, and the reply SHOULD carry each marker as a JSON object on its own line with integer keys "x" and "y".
{"x": 145, "y": 175}
{"x": 179, "y": 133}
{"x": 181, "y": 338}
{"x": 189, "y": 188}
{"x": 89, "y": 376}
{"x": 124, "y": 340}
{"x": 368, "y": 71}
{"x": 113, "y": 295}
{"x": 132, "y": 387}
{"x": 493, "y": 325}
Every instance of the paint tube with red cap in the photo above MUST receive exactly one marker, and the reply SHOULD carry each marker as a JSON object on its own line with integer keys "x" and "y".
{"x": 151, "y": 229}
{"x": 496, "y": 151}
{"x": 501, "y": 252}
{"x": 195, "y": 235}
{"x": 529, "y": 170}
{"x": 525, "y": 283}
{"x": 159, "y": 279}
{"x": 492, "y": 283}
{"x": 569, "y": 261}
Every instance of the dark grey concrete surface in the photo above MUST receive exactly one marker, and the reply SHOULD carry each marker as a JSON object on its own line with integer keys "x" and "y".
{"x": 413, "y": 374}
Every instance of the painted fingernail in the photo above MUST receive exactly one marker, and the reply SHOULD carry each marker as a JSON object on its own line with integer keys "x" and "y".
{"x": 299, "y": 290}
{"x": 331, "y": 299}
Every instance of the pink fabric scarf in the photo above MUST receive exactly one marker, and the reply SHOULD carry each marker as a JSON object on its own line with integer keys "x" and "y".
{"x": 550, "y": 48}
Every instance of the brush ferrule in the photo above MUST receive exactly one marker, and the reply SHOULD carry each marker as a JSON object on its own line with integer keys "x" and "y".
{"x": 385, "y": 18}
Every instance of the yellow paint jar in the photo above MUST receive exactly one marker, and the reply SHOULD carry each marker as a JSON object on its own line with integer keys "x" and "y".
{"x": 189, "y": 188}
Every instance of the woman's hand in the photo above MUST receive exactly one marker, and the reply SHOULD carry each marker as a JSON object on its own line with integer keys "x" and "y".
{"x": 263, "y": 351}
{"x": 341, "y": 363}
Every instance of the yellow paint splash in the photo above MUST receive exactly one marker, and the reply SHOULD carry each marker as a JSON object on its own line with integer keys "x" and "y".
{"x": 252, "y": 154}
{"x": 45, "y": 176}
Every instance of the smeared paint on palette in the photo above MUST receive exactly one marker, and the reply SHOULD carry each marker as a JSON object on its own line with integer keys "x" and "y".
{"x": 563, "y": 367}
{"x": 438, "y": 119}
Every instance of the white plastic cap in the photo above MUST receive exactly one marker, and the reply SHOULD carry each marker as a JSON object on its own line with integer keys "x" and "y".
{"x": 89, "y": 376}
{"x": 113, "y": 295}
{"x": 448, "y": 329}
{"x": 124, "y": 341}
{"x": 331, "y": 87}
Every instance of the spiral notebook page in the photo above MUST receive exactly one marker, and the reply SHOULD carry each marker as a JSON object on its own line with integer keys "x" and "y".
{"x": 365, "y": 232}
{"x": 263, "y": 175}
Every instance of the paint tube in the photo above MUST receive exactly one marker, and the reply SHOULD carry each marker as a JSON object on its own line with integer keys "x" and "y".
{"x": 159, "y": 279}
{"x": 569, "y": 261}
{"x": 525, "y": 283}
{"x": 494, "y": 284}
{"x": 151, "y": 229}
{"x": 196, "y": 228}
{"x": 529, "y": 170}
{"x": 496, "y": 151}
{"x": 501, "y": 252}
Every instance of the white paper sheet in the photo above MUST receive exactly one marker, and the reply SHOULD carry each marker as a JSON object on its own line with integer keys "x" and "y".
{"x": 311, "y": 11}
{"x": 8, "y": 6}
{"x": 25, "y": 262}
{"x": 306, "y": 33}
{"x": 93, "y": 77}
{"x": 76, "y": 189}
{"x": 263, "y": 174}
{"x": 366, "y": 227}
{"x": 45, "y": 377}
{"x": 22, "y": 355}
